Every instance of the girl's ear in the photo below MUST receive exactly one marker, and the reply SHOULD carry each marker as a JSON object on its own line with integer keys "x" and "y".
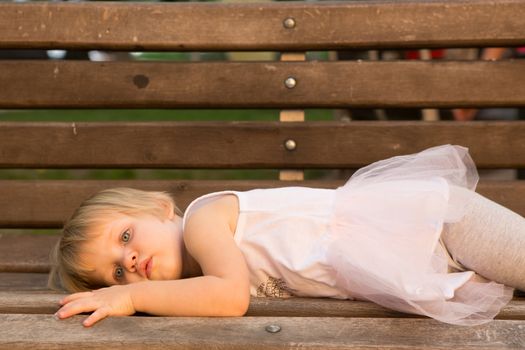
{"x": 167, "y": 208}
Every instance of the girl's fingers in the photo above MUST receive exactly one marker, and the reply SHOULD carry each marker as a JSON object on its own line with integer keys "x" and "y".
{"x": 72, "y": 297}
{"x": 77, "y": 307}
{"x": 102, "y": 302}
{"x": 96, "y": 316}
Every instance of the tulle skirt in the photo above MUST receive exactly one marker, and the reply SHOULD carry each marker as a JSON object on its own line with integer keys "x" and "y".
{"x": 386, "y": 232}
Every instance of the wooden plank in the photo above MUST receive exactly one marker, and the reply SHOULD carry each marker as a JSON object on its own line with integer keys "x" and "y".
{"x": 253, "y": 144}
{"x": 205, "y": 27}
{"x": 47, "y": 204}
{"x": 15, "y": 283}
{"x": 55, "y": 84}
{"x": 323, "y": 307}
{"x": 35, "y": 209}
{"x": 20, "y": 331}
{"x": 45, "y": 302}
{"x": 502, "y": 192}
{"x": 25, "y": 302}
{"x": 25, "y": 253}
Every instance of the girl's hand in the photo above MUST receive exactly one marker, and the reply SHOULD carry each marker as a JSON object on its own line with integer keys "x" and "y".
{"x": 112, "y": 301}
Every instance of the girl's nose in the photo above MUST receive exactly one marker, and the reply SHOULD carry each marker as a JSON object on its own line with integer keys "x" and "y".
{"x": 130, "y": 261}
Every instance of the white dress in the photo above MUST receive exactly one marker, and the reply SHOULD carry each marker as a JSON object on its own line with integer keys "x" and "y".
{"x": 375, "y": 238}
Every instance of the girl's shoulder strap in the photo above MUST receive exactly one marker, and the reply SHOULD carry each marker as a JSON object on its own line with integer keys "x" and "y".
{"x": 200, "y": 201}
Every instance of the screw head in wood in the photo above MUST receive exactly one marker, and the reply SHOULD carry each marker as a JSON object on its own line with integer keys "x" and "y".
{"x": 289, "y": 23}
{"x": 290, "y": 82}
{"x": 273, "y": 328}
{"x": 290, "y": 145}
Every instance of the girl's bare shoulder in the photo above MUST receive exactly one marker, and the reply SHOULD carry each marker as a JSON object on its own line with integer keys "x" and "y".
{"x": 216, "y": 212}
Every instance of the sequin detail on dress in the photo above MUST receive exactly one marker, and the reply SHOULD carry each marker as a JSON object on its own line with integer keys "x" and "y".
{"x": 274, "y": 287}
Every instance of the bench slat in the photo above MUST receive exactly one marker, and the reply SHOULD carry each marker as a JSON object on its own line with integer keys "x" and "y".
{"x": 17, "y": 283}
{"x": 249, "y": 332}
{"x": 55, "y": 84}
{"x": 198, "y": 27}
{"x": 24, "y": 302}
{"x": 39, "y": 302}
{"x": 47, "y": 204}
{"x": 249, "y": 144}
{"x": 323, "y": 307}
{"x": 25, "y": 253}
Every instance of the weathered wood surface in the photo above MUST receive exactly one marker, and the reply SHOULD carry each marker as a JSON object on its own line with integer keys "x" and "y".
{"x": 80, "y": 84}
{"x": 198, "y": 27}
{"x": 21, "y": 281}
{"x": 249, "y": 144}
{"x": 35, "y": 302}
{"x": 317, "y": 307}
{"x": 26, "y": 305}
{"x": 43, "y": 332}
{"x": 46, "y": 302}
{"x": 47, "y": 204}
{"x": 24, "y": 302}
{"x": 25, "y": 253}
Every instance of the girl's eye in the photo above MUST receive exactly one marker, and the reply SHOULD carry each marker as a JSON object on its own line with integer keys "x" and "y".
{"x": 126, "y": 236}
{"x": 119, "y": 273}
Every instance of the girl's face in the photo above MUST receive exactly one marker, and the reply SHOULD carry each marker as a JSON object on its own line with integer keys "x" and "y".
{"x": 131, "y": 249}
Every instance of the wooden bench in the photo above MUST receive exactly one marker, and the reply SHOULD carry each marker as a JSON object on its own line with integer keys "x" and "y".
{"x": 291, "y": 85}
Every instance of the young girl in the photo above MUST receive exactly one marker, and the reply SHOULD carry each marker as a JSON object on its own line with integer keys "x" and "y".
{"x": 407, "y": 233}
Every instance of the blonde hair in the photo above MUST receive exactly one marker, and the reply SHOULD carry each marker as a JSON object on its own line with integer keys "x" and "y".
{"x": 68, "y": 272}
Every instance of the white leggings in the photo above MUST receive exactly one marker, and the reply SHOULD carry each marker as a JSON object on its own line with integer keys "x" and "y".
{"x": 489, "y": 240}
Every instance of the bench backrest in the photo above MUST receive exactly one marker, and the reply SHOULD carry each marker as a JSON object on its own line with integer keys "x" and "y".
{"x": 290, "y": 84}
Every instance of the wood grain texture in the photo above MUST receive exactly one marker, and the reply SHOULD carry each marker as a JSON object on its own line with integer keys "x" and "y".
{"x": 25, "y": 253}
{"x": 323, "y": 307}
{"x": 208, "y": 27}
{"x": 378, "y": 84}
{"x": 25, "y": 302}
{"x": 249, "y": 144}
{"x": 21, "y": 331}
{"x": 20, "y": 282}
{"x": 47, "y": 204}
{"x": 46, "y": 302}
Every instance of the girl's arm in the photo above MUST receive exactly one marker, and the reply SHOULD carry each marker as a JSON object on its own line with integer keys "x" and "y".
{"x": 223, "y": 290}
